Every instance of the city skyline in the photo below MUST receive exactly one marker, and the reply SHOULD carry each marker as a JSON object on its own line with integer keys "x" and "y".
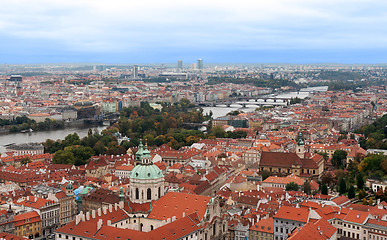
{"x": 219, "y": 32}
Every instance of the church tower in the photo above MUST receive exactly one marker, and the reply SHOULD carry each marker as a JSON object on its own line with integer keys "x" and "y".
{"x": 146, "y": 179}
{"x": 300, "y": 148}
{"x": 69, "y": 189}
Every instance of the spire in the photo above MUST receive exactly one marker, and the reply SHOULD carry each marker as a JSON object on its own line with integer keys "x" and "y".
{"x": 139, "y": 152}
{"x": 122, "y": 196}
{"x": 146, "y": 157}
{"x": 300, "y": 140}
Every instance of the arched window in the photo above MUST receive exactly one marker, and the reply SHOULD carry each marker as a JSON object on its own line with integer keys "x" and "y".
{"x": 151, "y": 227}
{"x": 148, "y": 194}
{"x": 141, "y": 227}
{"x": 137, "y": 194}
{"x": 159, "y": 192}
{"x": 142, "y": 195}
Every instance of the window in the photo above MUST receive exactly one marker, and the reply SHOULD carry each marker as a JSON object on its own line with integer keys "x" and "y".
{"x": 137, "y": 193}
{"x": 149, "y": 194}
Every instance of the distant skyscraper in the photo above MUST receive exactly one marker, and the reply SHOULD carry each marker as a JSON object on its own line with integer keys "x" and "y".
{"x": 135, "y": 71}
{"x": 179, "y": 66}
{"x": 193, "y": 66}
{"x": 200, "y": 64}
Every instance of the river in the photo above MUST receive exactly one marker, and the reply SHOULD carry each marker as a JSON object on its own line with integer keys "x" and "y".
{"x": 41, "y": 136}
{"x": 223, "y": 110}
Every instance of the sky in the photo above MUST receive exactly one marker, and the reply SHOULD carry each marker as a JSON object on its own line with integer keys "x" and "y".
{"x": 164, "y": 31}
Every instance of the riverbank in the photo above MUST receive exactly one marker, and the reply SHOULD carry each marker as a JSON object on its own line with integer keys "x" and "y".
{"x": 41, "y": 136}
{"x": 77, "y": 123}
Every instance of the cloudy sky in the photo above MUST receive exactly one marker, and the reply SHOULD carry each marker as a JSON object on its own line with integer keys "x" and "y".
{"x": 219, "y": 31}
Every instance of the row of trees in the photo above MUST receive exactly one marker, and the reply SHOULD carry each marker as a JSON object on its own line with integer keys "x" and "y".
{"x": 171, "y": 125}
{"x": 292, "y": 186}
{"x": 73, "y": 150}
{"x": 154, "y": 126}
{"x": 27, "y": 123}
{"x": 374, "y": 134}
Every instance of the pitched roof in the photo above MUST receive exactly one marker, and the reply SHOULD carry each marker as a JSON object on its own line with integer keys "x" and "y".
{"x": 175, "y": 204}
{"x": 26, "y": 218}
{"x": 292, "y": 213}
{"x": 319, "y": 230}
{"x": 279, "y": 159}
{"x": 264, "y": 225}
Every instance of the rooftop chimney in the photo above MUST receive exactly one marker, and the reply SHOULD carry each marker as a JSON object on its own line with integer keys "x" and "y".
{"x": 110, "y": 208}
{"x": 99, "y": 224}
{"x": 93, "y": 213}
{"x": 109, "y": 222}
{"x": 104, "y": 210}
{"x": 115, "y": 206}
{"x": 87, "y": 216}
{"x": 99, "y": 212}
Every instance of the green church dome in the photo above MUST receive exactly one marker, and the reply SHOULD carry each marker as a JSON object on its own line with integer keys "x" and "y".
{"x": 146, "y": 172}
{"x": 69, "y": 186}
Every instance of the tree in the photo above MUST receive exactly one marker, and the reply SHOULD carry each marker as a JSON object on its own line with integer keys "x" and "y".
{"x": 338, "y": 157}
{"x": 364, "y": 201}
{"x": 192, "y": 139}
{"x": 63, "y": 157}
{"x": 306, "y": 187}
{"x": 324, "y": 189}
{"x": 372, "y": 162}
{"x": 99, "y": 148}
{"x": 265, "y": 174}
{"x": 218, "y": 132}
{"x": 25, "y": 160}
{"x": 351, "y": 192}
{"x": 383, "y": 166}
{"x": 292, "y": 186}
{"x": 362, "y": 194}
{"x": 329, "y": 178}
{"x": 370, "y": 202}
{"x": 359, "y": 181}
{"x": 342, "y": 186}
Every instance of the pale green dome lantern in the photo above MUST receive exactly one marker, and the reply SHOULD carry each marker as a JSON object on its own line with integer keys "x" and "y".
{"x": 139, "y": 153}
{"x": 300, "y": 141}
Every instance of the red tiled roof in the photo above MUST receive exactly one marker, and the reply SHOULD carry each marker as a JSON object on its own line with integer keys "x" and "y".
{"x": 279, "y": 159}
{"x": 26, "y": 218}
{"x": 292, "y": 213}
{"x": 319, "y": 230}
{"x": 264, "y": 225}
{"x": 175, "y": 204}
